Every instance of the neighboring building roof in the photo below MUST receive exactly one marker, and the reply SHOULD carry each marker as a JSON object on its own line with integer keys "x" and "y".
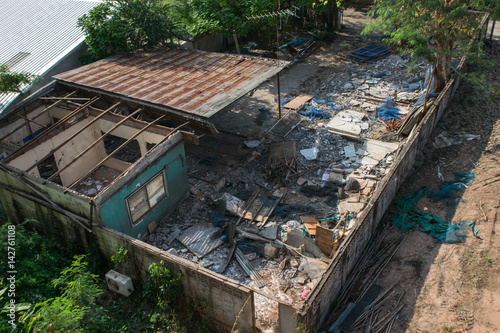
{"x": 196, "y": 82}
{"x": 36, "y": 34}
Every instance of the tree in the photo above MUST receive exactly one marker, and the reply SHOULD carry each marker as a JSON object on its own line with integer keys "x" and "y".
{"x": 12, "y": 81}
{"x": 225, "y": 15}
{"x": 127, "y": 25}
{"x": 437, "y": 30}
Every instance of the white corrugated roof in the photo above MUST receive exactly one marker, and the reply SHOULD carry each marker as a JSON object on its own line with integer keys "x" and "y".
{"x": 36, "y": 34}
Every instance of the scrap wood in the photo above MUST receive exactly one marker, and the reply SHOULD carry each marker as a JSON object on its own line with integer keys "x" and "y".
{"x": 248, "y": 205}
{"x": 310, "y": 223}
{"x": 232, "y": 244}
{"x": 250, "y": 235}
{"x": 324, "y": 239}
{"x": 270, "y": 211}
{"x": 336, "y": 243}
{"x": 173, "y": 236}
{"x": 293, "y": 250}
{"x": 298, "y": 101}
{"x": 317, "y": 166}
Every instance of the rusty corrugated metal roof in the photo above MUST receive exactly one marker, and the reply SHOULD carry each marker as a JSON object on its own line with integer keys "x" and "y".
{"x": 192, "y": 81}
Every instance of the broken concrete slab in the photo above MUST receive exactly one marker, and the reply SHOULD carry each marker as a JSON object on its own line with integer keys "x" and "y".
{"x": 353, "y": 207}
{"x": 310, "y": 154}
{"x": 201, "y": 239}
{"x": 342, "y": 125}
{"x": 313, "y": 268}
{"x": 379, "y": 149}
{"x": 270, "y": 232}
{"x": 351, "y": 115}
{"x": 295, "y": 239}
{"x": 367, "y": 161}
{"x": 349, "y": 150}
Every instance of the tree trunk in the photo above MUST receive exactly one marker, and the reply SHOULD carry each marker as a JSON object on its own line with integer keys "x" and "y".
{"x": 443, "y": 65}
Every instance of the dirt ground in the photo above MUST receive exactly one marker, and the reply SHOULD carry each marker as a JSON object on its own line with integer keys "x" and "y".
{"x": 451, "y": 287}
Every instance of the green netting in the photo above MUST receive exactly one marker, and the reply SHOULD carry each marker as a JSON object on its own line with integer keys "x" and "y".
{"x": 409, "y": 218}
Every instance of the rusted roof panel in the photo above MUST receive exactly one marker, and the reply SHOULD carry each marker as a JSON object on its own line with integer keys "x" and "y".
{"x": 192, "y": 81}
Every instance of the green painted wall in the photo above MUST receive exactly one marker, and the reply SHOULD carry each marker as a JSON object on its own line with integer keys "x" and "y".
{"x": 114, "y": 211}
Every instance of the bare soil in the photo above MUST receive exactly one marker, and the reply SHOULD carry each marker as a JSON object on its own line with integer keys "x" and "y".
{"x": 452, "y": 287}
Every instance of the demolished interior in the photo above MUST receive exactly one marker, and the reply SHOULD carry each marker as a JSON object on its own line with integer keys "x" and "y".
{"x": 267, "y": 210}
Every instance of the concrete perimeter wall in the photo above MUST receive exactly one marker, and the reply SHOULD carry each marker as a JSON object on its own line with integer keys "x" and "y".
{"x": 214, "y": 295}
{"x": 317, "y": 306}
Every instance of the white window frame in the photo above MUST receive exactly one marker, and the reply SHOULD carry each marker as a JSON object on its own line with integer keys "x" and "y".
{"x": 144, "y": 188}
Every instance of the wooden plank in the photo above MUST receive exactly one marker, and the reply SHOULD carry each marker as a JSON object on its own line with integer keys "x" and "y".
{"x": 324, "y": 239}
{"x": 310, "y": 222}
{"x": 298, "y": 101}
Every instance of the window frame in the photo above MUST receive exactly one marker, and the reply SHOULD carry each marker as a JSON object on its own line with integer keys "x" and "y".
{"x": 144, "y": 187}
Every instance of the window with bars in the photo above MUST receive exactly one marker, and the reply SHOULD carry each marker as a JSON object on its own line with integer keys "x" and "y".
{"x": 146, "y": 197}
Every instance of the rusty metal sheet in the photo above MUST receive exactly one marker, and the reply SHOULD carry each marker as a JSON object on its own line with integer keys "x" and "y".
{"x": 196, "y": 82}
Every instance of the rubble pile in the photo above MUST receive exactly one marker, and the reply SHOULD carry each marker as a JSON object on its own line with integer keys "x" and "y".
{"x": 275, "y": 221}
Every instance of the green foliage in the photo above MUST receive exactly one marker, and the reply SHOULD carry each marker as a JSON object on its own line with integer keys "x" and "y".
{"x": 127, "y": 25}
{"x": 12, "y": 81}
{"x": 225, "y": 15}
{"x": 162, "y": 287}
{"x": 39, "y": 261}
{"x": 121, "y": 255}
{"x": 436, "y": 30}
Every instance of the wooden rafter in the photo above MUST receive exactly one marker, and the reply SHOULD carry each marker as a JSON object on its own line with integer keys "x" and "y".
{"x": 86, "y": 150}
{"x": 31, "y": 119}
{"x": 67, "y": 98}
{"x": 61, "y": 121}
{"x": 114, "y": 152}
{"x": 53, "y": 150}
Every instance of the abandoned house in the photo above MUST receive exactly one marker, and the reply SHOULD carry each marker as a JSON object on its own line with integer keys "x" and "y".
{"x": 144, "y": 151}
{"x": 41, "y": 38}
{"x": 110, "y": 136}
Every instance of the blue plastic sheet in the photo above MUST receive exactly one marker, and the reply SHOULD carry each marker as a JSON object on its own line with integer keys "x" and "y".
{"x": 326, "y": 102}
{"x": 447, "y": 187}
{"x": 314, "y": 113}
{"x": 388, "y": 110}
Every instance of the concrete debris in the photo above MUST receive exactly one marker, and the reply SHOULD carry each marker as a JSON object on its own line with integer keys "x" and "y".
{"x": 329, "y": 169}
{"x": 310, "y": 154}
{"x": 313, "y": 268}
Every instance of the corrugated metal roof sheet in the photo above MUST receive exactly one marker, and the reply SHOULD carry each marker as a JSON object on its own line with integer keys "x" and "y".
{"x": 36, "y": 34}
{"x": 192, "y": 81}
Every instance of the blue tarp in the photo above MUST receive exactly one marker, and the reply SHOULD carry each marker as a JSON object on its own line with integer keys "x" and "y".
{"x": 388, "y": 110}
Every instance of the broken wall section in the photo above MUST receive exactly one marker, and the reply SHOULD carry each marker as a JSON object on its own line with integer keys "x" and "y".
{"x": 64, "y": 216}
